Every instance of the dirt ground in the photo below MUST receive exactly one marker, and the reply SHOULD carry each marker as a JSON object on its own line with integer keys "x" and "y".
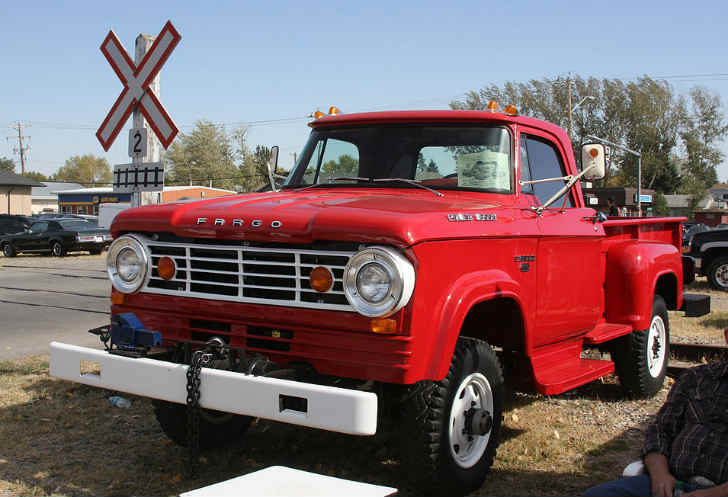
{"x": 61, "y": 438}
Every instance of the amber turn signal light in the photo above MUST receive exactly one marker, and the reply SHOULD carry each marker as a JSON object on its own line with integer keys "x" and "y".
{"x": 166, "y": 268}
{"x": 594, "y": 152}
{"x": 511, "y": 110}
{"x": 333, "y": 110}
{"x": 383, "y": 326}
{"x": 117, "y": 298}
{"x": 321, "y": 279}
{"x": 318, "y": 114}
{"x": 492, "y": 106}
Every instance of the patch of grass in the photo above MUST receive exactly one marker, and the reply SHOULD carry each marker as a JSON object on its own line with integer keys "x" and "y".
{"x": 26, "y": 366}
{"x": 717, "y": 320}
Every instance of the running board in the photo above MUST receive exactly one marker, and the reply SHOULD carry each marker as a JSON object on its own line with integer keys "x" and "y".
{"x": 605, "y": 332}
{"x": 559, "y": 367}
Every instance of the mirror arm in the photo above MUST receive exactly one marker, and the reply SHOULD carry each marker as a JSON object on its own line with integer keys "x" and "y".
{"x": 570, "y": 182}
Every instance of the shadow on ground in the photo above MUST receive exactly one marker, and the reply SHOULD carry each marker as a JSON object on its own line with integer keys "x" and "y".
{"x": 67, "y": 439}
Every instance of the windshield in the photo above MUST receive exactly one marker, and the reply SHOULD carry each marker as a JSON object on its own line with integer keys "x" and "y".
{"x": 442, "y": 157}
{"x": 78, "y": 225}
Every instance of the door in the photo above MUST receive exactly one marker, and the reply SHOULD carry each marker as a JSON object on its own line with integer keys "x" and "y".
{"x": 36, "y": 238}
{"x": 568, "y": 259}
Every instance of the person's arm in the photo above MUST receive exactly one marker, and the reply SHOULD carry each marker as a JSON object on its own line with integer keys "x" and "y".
{"x": 661, "y": 480}
{"x": 662, "y": 431}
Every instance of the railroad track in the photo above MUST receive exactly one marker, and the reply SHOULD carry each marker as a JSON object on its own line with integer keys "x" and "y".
{"x": 688, "y": 355}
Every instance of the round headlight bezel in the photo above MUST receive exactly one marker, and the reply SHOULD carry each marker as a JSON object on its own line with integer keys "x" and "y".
{"x": 133, "y": 243}
{"x": 402, "y": 281}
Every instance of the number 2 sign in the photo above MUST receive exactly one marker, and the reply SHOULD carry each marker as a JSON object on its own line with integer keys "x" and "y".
{"x": 137, "y": 143}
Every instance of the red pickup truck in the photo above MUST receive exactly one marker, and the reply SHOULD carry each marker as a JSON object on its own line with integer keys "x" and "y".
{"x": 411, "y": 262}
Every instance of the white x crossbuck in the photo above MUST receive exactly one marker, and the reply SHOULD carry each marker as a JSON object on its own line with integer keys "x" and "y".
{"x": 136, "y": 91}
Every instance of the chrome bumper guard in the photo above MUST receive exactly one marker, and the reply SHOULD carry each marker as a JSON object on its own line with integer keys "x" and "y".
{"x": 329, "y": 408}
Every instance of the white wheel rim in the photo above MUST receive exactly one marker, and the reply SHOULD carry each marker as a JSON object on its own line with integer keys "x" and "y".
{"x": 656, "y": 346}
{"x": 473, "y": 392}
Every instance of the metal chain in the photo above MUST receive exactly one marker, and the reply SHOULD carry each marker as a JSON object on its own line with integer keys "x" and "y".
{"x": 199, "y": 359}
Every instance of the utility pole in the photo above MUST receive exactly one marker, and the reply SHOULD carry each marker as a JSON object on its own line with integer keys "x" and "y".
{"x": 20, "y": 149}
{"x": 568, "y": 84}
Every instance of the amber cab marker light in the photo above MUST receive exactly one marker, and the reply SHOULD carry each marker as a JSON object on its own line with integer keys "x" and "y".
{"x": 318, "y": 114}
{"x": 383, "y": 326}
{"x": 511, "y": 110}
{"x": 492, "y": 106}
{"x": 117, "y": 298}
{"x": 321, "y": 279}
{"x": 333, "y": 110}
{"x": 594, "y": 152}
{"x": 166, "y": 268}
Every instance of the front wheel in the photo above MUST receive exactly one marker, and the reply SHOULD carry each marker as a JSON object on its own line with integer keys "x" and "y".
{"x": 718, "y": 273}
{"x": 217, "y": 429}
{"x": 451, "y": 428}
{"x": 641, "y": 357}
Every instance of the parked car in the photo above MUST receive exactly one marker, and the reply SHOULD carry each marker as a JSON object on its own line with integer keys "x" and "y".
{"x": 57, "y": 236}
{"x": 691, "y": 231}
{"x": 13, "y": 224}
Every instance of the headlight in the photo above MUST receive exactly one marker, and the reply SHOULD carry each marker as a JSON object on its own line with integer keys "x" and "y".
{"x": 378, "y": 281}
{"x": 127, "y": 264}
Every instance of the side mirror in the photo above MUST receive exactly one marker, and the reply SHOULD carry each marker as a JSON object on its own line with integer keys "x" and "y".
{"x": 273, "y": 167}
{"x": 593, "y": 163}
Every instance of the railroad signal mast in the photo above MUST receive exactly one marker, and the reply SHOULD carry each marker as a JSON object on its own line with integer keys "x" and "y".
{"x": 140, "y": 97}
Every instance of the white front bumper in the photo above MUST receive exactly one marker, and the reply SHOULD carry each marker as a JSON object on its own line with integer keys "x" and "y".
{"x": 329, "y": 408}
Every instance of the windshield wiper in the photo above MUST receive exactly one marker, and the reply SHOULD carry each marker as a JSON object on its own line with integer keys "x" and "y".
{"x": 373, "y": 180}
{"x": 411, "y": 182}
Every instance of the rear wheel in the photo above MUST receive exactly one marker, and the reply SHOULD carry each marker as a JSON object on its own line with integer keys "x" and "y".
{"x": 57, "y": 249}
{"x": 451, "y": 428}
{"x": 718, "y": 273}
{"x": 8, "y": 250}
{"x": 641, "y": 357}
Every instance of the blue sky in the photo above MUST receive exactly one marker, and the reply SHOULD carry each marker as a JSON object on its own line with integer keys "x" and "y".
{"x": 256, "y": 62}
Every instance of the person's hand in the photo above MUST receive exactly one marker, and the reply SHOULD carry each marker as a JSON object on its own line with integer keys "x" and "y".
{"x": 663, "y": 485}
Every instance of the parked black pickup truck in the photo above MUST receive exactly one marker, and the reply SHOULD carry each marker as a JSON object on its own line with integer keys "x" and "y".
{"x": 707, "y": 251}
{"x": 57, "y": 236}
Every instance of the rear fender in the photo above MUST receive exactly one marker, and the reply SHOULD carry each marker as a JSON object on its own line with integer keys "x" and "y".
{"x": 463, "y": 294}
{"x": 633, "y": 270}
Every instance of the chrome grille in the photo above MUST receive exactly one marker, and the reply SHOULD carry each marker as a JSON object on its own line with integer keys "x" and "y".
{"x": 251, "y": 273}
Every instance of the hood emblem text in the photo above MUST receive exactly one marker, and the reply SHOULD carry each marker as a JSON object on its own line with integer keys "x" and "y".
{"x": 237, "y": 223}
{"x": 471, "y": 217}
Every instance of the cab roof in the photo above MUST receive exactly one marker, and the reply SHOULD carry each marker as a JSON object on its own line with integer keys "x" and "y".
{"x": 433, "y": 116}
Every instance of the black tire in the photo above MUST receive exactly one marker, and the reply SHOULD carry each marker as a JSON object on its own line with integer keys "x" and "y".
{"x": 9, "y": 250}
{"x": 57, "y": 249}
{"x": 718, "y": 273}
{"x": 429, "y": 444}
{"x": 217, "y": 429}
{"x": 641, "y": 357}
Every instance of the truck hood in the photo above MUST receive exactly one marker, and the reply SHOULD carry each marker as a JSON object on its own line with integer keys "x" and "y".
{"x": 400, "y": 217}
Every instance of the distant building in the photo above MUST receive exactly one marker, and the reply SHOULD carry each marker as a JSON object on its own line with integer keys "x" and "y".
{"x": 15, "y": 193}
{"x": 45, "y": 198}
{"x": 623, "y": 198}
{"x": 87, "y": 200}
{"x": 719, "y": 192}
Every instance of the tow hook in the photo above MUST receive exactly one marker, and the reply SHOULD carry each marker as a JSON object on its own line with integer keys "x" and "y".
{"x": 477, "y": 422}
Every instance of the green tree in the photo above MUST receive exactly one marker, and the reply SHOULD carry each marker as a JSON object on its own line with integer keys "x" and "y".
{"x": 40, "y": 177}
{"x": 676, "y": 136}
{"x": 88, "y": 170}
{"x": 205, "y": 156}
{"x": 659, "y": 205}
{"x": 254, "y": 167}
{"x": 7, "y": 165}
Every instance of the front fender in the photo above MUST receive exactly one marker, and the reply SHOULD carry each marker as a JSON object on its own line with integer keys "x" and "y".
{"x": 633, "y": 269}
{"x": 465, "y": 292}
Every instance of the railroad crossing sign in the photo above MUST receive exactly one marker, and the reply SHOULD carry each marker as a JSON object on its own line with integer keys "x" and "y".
{"x": 146, "y": 177}
{"x": 136, "y": 92}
